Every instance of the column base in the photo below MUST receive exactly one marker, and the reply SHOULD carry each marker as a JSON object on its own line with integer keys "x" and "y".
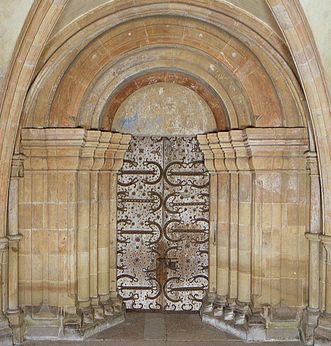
{"x": 229, "y": 310}
{"x": 242, "y": 313}
{"x": 98, "y": 312}
{"x": 308, "y": 324}
{"x": 6, "y": 337}
{"x": 219, "y": 304}
{"x": 74, "y": 324}
{"x": 239, "y": 319}
{"x": 322, "y": 335}
{"x": 283, "y": 323}
{"x": 16, "y": 323}
{"x": 112, "y": 305}
{"x": 117, "y": 302}
{"x": 208, "y": 303}
{"x": 87, "y": 315}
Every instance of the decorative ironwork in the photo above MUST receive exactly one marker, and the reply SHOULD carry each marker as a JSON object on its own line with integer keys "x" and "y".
{"x": 163, "y": 225}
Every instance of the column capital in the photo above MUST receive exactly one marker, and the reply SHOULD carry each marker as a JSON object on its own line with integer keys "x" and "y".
{"x": 204, "y": 144}
{"x": 99, "y": 154}
{"x": 17, "y": 166}
{"x": 14, "y": 237}
{"x": 216, "y": 152}
{"x": 257, "y": 149}
{"x": 115, "y": 152}
{"x": 312, "y": 162}
{"x": 313, "y": 236}
{"x": 87, "y": 153}
{"x": 242, "y": 150}
{"x": 229, "y": 152}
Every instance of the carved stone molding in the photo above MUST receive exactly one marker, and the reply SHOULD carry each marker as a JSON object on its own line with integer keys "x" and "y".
{"x": 256, "y": 149}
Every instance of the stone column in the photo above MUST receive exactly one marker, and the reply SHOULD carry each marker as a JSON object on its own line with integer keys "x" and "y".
{"x": 14, "y": 313}
{"x": 231, "y": 166}
{"x": 5, "y": 331}
{"x": 204, "y": 143}
{"x": 222, "y": 225}
{"x": 314, "y": 273}
{"x": 96, "y": 235}
{"x": 220, "y": 160}
{"x": 311, "y": 314}
{"x": 322, "y": 333}
{"x": 117, "y": 149}
{"x": 326, "y": 240}
{"x": 239, "y": 142}
{"x": 314, "y": 230}
{"x": 83, "y": 223}
{"x": 93, "y": 260}
{"x": 103, "y": 223}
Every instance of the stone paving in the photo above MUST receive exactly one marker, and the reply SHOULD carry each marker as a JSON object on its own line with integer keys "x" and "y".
{"x": 156, "y": 329}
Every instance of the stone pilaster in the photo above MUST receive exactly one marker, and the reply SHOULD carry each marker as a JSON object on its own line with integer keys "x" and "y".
{"x": 5, "y": 331}
{"x": 312, "y": 312}
{"x": 322, "y": 335}
{"x": 14, "y": 312}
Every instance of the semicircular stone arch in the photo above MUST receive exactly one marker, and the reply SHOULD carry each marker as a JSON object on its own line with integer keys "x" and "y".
{"x": 252, "y": 90}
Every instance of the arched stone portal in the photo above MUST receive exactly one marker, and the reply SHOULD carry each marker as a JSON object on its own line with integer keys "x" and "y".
{"x": 265, "y": 193}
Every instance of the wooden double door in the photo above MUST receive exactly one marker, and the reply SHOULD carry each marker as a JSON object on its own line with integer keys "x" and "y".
{"x": 163, "y": 225}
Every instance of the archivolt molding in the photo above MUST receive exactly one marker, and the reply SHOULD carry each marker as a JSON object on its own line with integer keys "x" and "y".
{"x": 111, "y": 99}
{"x": 220, "y": 13}
{"x": 226, "y": 98}
{"x": 237, "y": 54}
{"x": 293, "y": 23}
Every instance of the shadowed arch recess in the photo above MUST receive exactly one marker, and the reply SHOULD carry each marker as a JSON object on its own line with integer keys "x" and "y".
{"x": 131, "y": 86}
{"x": 164, "y": 109}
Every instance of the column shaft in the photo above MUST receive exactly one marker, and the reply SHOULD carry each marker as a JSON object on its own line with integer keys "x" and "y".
{"x": 83, "y": 241}
{"x": 328, "y": 289}
{"x": 103, "y": 235}
{"x": 314, "y": 274}
{"x": 93, "y": 260}
{"x": 13, "y": 244}
{"x": 244, "y": 239}
{"x": 213, "y": 232}
{"x": 233, "y": 279}
{"x": 223, "y": 233}
{"x": 314, "y": 231}
{"x": 112, "y": 226}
